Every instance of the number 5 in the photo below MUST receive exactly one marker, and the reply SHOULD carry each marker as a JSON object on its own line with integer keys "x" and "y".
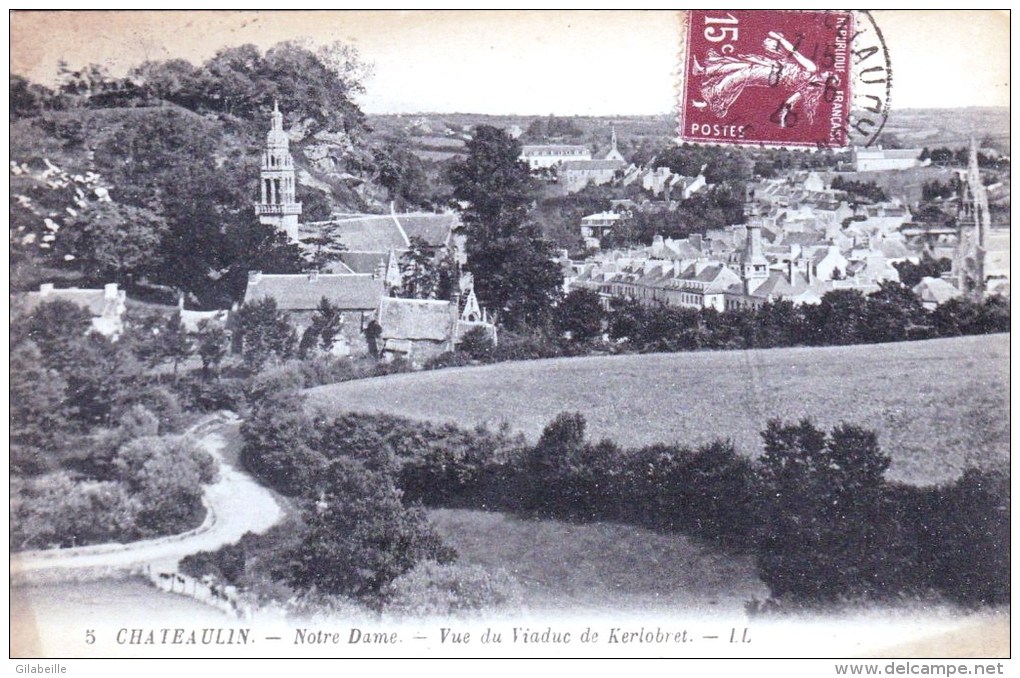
{"x": 90, "y": 637}
{"x": 712, "y": 35}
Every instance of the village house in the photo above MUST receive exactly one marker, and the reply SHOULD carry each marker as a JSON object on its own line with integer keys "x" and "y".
{"x": 594, "y": 227}
{"x": 356, "y": 295}
{"x": 547, "y": 156}
{"x": 883, "y": 159}
{"x": 374, "y": 243}
{"x": 574, "y": 175}
{"x": 419, "y": 329}
{"x": 106, "y": 306}
{"x": 935, "y": 291}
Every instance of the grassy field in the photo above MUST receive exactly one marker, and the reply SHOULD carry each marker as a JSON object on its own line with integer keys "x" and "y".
{"x": 599, "y": 566}
{"x": 939, "y": 406}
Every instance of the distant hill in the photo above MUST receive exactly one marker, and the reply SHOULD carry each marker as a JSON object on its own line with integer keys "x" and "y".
{"x": 912, "y": 127}
{"x": 439, "y": 136}
{"x": 938, "y": 406}
{"x": 950, "y": 127}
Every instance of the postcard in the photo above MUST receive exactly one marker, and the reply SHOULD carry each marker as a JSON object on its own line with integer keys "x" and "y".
{"x": 466, "y": 334}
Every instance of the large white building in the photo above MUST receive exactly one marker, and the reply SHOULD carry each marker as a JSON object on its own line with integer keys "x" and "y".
{"x": 546, "y": 156}
{"x": 880, "y": 159}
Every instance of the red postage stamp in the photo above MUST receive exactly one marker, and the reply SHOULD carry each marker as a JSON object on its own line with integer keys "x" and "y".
{"x": 777, "y": 78}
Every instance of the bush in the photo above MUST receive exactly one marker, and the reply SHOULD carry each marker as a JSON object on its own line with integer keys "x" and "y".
{"x": 432, "y": 589}
{"x": 476, "y": 343}
{"x": 166, "y": 475}
{"x": 254, "y": 563}
{"x": 59, "y": 510}
{"x": 831, "y": 526}
{"x": 360, "y": 536}
{"x": 277, "y": 447}
{"x": 448, "y": 359}
{"x": 161, "y": 402}
{"x": 524, "y": 347}
{"x": 211, "y": 396}
{"x": 225, "y": 564}
{"x": 971, "y": 538}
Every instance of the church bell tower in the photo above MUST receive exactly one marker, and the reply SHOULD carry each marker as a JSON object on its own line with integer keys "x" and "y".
{"x": 754, "y": 267}
{"x": 278, "y": 206}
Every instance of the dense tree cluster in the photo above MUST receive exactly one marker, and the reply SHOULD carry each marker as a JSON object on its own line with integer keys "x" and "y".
{"x": 859, "y": 191}
{"x": 928, "y": 267}
{"x": 514, "y": 275}
{"x": 542, "y": 129}
{"x": 92, "y": 430}
{"x": 721, "y": 165}
{"x": 718, "y": 207}
{"x": 357, "y": 534}
{"x": 815, "y": 510}
{"x": 843, "y": 317}
{"x": 175, "y": 147}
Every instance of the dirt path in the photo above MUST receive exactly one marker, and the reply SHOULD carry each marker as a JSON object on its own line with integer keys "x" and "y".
{"x": 235, "y": 504}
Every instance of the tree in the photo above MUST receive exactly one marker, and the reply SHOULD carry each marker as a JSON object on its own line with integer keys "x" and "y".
{"x": 829, "y": 529}
{"x": 513, "y": 271}
{"x": 778, "y": 323}
{"x": 929, "y": 267}
{"x": 419, "y": 271}
{"x": 326, "y": 244}
{"x": 892, "y": 312}
{"x": 102, "y": 376}
{"x": 264, "y": 333}
{"x": 360, "y": 536}
{"x": 175, "y": 344}
{"x": 277, "y": 442}
{"x": 39, "y": 416}
{"x": 580, "y": 314}
{"x": 27, "y": 98}
{"x": 327, "y": 323}
{"x": 55, "y": 327}
{"x": 721, "y": 165}
{"x": 213, "y": 342}
{"x": 111, "y": 242}
{"x": 838, "y": 319}
{"x": 402, "y": 173}
{"x": 166, "y": 474}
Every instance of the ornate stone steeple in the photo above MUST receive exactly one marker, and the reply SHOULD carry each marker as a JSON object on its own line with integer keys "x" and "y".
{"x": 278, "y": 206}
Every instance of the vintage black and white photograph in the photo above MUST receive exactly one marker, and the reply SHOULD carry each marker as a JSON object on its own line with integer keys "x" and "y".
{"x": 457, "y": 334}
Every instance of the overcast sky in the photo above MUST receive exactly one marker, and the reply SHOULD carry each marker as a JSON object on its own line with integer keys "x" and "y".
{"x": 596, "y": 63}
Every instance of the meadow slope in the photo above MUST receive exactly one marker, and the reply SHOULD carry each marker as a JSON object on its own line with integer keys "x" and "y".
{"x": 939, "y": 406}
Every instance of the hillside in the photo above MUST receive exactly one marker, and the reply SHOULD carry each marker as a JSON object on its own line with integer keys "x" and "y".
{"x": 938, "y": 406}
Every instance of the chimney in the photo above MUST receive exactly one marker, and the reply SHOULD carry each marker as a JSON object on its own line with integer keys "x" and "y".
{"x": 695, "y": 240}
{"x": 313, "y": 275}
{"x": 110, "y": 291}
{"x": 254, "y": 277}
{"x": 45, "y": 289}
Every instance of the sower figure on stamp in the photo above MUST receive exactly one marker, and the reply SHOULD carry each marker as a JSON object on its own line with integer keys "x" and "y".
{"x": 726, "y": 77}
